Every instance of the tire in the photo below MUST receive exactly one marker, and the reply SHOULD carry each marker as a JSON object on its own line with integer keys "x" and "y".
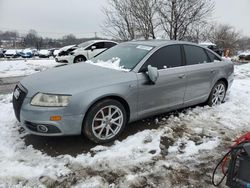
{"x": 217, "y": 94}
{"x": 79, "y": 59}
{"x": 105, "y": 121}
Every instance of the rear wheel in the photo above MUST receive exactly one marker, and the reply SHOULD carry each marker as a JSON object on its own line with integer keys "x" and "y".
{"x": 105, "y": 121}
{"x": 79, "y": 59}
{"x": 217, "y": 94}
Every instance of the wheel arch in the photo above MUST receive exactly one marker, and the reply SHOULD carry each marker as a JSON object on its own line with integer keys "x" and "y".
{"x": 80, "y": 55}
{"x": 223, "y": 80}
{"x": 114, "y": 97}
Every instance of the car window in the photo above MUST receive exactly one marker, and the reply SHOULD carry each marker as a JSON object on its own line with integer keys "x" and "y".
{"x": 212, "y": 56}
{"x": 128, "y": 55}
{"x": 109, "y": 44}
{"x": 99, "y": 45}
{"x": 166, "y": 57}
{"x": 195, "y": 55}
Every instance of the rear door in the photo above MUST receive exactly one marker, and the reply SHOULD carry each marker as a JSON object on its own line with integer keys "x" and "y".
{"x": 199, "y": 74}
{"x": 168, "y": 91}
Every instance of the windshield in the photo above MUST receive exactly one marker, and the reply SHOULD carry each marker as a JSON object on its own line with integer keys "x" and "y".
{"x": 85, "y": 44}
{"x": 129, "y": 55}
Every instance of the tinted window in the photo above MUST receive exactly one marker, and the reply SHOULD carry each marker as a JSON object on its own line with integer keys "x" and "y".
{"x": 166, "y": 57}
{"x": 212, "y": 57}
{"x": 99, "y": 45}
{"x": 195, "y": 55}
{"x": 109, "y": 44}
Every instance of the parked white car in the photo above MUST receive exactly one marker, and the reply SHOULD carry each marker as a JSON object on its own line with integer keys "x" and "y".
{"x": 64, "y": 52}
{"x": 11, "y": 53}
{"x": 44, "y": 53}
{"x": 84, "y": 51}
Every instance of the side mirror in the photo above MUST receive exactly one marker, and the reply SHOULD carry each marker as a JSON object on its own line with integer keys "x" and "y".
{"x": 153, "y": 74}
{"x": 93, "y": 48}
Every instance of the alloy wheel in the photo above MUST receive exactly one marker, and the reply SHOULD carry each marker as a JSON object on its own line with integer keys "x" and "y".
{"x": 107, "y": 122}
{"x": 218, "y": 94}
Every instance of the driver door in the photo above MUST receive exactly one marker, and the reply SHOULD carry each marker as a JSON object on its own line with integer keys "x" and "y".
{"x": 169, "y": 90}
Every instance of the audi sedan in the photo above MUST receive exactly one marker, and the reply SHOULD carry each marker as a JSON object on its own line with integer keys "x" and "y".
{"x": 128, "y": 82}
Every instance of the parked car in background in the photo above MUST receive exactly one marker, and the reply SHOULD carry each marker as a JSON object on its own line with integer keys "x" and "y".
{"x": 44, "y": 53}
{"x": 11, "y": 53}
{"x": 213, "y": 47}
{"x": 55, "y": 52}
{"x": 244, "y": 55}
{"x": 64, "y": 52}
{"x": 1, "y": 53}
{"x": 86, "y": 50}
{"x": 128, "y": 82}
{"x": 26, "y": 53}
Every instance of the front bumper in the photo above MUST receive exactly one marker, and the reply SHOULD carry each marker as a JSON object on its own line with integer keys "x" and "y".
{"x": 65, "y": 59}
{"x": 36, "y": 120}
{"x": 32, "y": 118}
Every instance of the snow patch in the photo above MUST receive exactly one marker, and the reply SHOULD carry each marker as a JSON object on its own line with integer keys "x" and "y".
{"x": 113, "y": 63}
{"x": 24, "y": 67}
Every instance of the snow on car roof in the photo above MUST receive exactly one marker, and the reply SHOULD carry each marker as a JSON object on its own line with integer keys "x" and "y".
{"x": 207, "y": 44}
{"x": 10, "y": 51}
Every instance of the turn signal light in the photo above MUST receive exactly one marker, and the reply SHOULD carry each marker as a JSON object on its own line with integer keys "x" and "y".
{"x": 55, "y": 118}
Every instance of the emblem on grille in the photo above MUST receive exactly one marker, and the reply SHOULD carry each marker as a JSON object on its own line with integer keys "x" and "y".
{"x": 16, "y": 93}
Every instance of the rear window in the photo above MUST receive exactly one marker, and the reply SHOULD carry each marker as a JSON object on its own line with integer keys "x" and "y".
{"x": 212, "y": 56}
{"x": 195, "y": 55}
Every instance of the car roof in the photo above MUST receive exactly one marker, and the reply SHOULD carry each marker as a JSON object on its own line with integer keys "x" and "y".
{"x": 158, "y": 42}
{"x": 94, "y": 41}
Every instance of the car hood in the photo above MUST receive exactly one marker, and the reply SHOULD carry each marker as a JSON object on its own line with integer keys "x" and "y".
{"x": 71, "y": 79}
{"x": 65, "y": 48}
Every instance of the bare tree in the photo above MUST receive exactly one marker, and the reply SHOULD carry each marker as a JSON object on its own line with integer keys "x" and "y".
{"x": 69, "y": 39}
{"x": 119, "y": 22}
{"x": 32, "y": 39}
{"x": 144, "y": 13}
{"x": 244, "y": 43}
{"x": 179, "y": 17}
{"x": 130, "y": 19}
{"x": 226, "y": 37}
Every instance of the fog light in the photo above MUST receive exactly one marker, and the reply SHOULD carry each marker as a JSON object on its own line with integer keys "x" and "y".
{"x": 42, "y": 128}
{"x": 55, "y": 118}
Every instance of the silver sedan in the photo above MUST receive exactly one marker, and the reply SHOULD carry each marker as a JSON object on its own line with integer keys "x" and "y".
{"x": 150, "y": 78}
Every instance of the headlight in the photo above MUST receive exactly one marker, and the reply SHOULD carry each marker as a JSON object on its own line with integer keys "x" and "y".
{"x": 72, "y": 53}
{"x": 50, "y": 100}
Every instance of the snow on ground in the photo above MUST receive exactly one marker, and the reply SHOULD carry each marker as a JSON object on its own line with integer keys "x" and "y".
{"x": 180, "y": 152}
{"x": 22, "y": 67}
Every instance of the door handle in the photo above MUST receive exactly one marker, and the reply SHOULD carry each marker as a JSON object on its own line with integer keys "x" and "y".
{"x": 212, "y": 71}
{"x": 181, "y": 76}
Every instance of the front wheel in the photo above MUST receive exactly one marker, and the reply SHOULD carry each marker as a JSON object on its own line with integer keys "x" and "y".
{"x": 217, "y": 94}
{"x": 79, "y": 59}
{"x": 105, "y": 121}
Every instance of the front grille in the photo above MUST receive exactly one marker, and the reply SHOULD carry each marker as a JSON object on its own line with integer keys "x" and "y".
{"x": 17, "y": 103}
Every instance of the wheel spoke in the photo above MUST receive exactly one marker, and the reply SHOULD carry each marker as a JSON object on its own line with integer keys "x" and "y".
{"x": 99, "y": 126}
{"x": 98, "y": 119}
{"x": 107, "y": 131}
{"x": 116, "y": 110}
{"x": 112, "y": 131}
{"x": 109, "y": 113}
{"x": 113, "y": 120}
{"x": 99, "y": 134}
{"x": 102, "y": 113}
{"x": 117, "y": 124}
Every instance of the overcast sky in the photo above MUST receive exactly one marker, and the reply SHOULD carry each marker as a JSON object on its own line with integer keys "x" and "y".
{"x": 55, "y": 18}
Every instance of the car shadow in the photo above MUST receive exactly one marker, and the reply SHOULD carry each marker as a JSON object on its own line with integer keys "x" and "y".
{"x": 75, "y": 145}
